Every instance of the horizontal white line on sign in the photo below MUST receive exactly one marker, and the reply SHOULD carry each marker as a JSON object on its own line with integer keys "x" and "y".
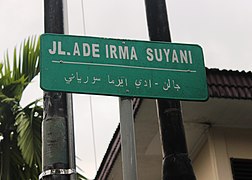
{"x": 123, "y": 66}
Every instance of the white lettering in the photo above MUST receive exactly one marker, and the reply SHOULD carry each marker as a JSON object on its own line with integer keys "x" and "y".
{"x": 166, "y": 51}
{"x": 95, "y": 50}
{"x": 149, "y": 54}
{"x": 183, "y": 56}
{"x": 133, "y": 54}
{"x": 53, "y": 50}
{"x": 60, "y": 51}
{"x": 76, "y": 49}
{"x": 159, "y": 59}
{"x": 190, "y": 57}
{"x": 123, "y": 52}
{"x": 113, "y": 51}
{"x": 107, "y": 54}
{"x": 86, "y": 49}
{"x": 174, "y": 56}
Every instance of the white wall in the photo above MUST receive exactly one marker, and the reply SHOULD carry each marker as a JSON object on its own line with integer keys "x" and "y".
{"x": 213, "y": 160}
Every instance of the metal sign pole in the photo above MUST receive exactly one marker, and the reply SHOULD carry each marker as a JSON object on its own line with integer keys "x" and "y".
{"x": 69, "y": 103}
{"x": 129, "y": 162}
{"x": 58, "y": 156}
{"x": 176, "y": 163}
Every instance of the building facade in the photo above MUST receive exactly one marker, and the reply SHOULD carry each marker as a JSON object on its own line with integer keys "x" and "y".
{"x": 218, "y": 133}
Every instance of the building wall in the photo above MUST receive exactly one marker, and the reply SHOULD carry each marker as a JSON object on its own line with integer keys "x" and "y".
{"x": 213, "y": 159}
{"x": 202, "y": 165}
{"x": 239, "y": 143}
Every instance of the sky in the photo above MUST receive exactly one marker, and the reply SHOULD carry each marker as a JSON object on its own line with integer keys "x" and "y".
{"x": 221, "y": 27}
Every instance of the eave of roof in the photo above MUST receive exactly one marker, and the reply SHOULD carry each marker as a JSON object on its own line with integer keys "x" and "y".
{"x": 221, "y": 84}
{"x": 229, "y": 84}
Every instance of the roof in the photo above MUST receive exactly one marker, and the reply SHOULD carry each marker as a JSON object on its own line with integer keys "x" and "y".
{"x": 229, "y": 84}
{"x": 221, "y": 84}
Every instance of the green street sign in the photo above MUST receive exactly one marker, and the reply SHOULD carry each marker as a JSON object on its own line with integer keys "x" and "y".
{"x": 118, "y": 67}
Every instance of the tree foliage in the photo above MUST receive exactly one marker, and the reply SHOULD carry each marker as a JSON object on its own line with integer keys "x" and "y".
{"x": 20, "y": 128}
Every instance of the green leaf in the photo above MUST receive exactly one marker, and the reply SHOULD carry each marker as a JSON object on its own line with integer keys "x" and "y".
{"x": 20, "y": 128}
{"x": 28, "y": 123}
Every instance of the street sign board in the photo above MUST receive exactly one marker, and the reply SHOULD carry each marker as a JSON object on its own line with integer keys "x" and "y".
{"x": 93, "y": 65}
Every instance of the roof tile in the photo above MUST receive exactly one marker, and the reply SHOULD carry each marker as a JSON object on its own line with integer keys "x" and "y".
{"x": 229, "y": 84}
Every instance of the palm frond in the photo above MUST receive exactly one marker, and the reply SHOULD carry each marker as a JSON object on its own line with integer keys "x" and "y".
{"x": 25, "y": 67}
{"x": 28, "y": 122}
{"x": 30, "y": 53}
{"x": 26, "y": 63}
{"x": 1, "y": 70}
{"x": 20, "y": 128}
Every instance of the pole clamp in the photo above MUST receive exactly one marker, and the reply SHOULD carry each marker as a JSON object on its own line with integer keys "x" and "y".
{"x": 56, "y": 172}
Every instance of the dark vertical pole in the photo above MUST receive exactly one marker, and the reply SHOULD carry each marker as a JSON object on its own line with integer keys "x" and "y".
{"x": 176, "y": 163}
{"x": 55, "y": 132}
